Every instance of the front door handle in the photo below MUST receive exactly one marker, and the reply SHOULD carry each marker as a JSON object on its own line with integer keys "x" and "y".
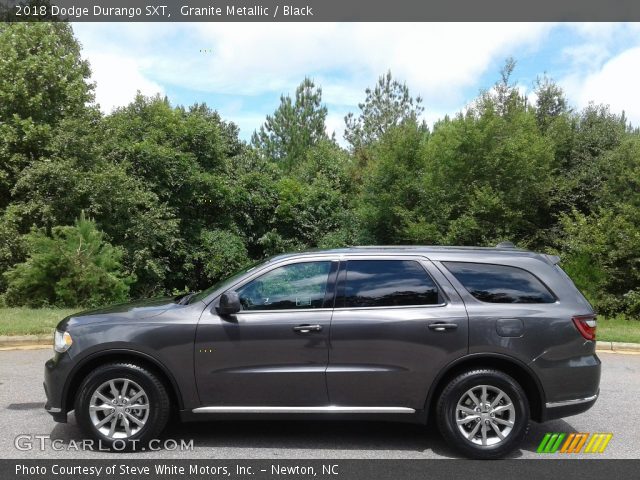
{"x": 307, "y": 328}
{"x": 441, "y": 327}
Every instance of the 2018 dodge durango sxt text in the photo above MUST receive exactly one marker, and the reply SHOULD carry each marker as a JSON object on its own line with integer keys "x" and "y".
{"x": 485, "y": 339}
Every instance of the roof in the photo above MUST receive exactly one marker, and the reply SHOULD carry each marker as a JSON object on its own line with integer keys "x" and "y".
{"x": 417, "y": 250}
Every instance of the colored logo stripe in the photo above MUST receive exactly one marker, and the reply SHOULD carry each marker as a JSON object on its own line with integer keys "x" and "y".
{"x": 550, "y": 442}
{"x": 574, "y": 443}
{"x": 598, "y": 442}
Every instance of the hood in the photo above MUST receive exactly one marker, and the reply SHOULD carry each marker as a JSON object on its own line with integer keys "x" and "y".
{"x": 136, "y": 310}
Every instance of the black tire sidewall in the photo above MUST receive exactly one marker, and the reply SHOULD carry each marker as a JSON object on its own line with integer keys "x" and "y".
{"x": 155, "y": 391}
{"x": 447, "y": 413}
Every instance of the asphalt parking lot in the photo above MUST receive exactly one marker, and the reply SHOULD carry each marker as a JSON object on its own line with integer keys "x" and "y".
{"x": 22, "y": 400}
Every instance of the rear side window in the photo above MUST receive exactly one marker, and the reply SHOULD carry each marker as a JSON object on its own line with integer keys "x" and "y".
{"x": 387, "y": 283}
{"x": 500, "y": 283}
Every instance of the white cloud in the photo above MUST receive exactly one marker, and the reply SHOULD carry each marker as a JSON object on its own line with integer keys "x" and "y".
{"x": 248, "y": 62}
{"x": 118, "y": 79}
{"x": 335, "y": 124}
{"x": 615, "y": 84}
{"x": 436, "y": 60}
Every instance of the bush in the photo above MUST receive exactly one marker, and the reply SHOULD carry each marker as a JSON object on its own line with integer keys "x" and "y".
{"x": 73, "y": 267}
{"x": 221, "y": 254}
{"x": 601, "y": 252}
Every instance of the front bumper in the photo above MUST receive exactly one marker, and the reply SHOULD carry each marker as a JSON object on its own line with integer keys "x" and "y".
{"x": 56, "y": 373}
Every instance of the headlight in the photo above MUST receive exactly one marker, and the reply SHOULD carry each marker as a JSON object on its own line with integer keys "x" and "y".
{"x": 61, "y": 341}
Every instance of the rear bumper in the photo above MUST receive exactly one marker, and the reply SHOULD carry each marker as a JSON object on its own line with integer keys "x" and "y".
{"x": 566, "y": 408}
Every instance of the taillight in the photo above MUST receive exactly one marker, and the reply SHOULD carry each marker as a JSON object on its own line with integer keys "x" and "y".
{"x": 586, "y": 325}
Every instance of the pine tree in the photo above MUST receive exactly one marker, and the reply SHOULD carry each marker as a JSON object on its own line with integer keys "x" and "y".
{"x": 295, "y": 126}
{"x": 388, "y": 104}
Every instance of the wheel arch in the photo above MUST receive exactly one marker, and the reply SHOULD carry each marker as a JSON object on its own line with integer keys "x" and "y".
{"x": 95, "y": 360}
{"x": 527, "y": 379}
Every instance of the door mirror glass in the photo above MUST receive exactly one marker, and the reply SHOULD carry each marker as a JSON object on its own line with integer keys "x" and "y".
{"x": 229, "y": 303}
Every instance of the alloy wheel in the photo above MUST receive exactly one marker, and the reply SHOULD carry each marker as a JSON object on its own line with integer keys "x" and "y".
{"x": 485, "y": 415}
{"x": 119, "y": 408}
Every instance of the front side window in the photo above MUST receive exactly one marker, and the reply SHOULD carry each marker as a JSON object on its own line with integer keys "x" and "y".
{"x": 387, "y": 283}
{"x": 294, "y": 286}
{"x": 500, "y": 283}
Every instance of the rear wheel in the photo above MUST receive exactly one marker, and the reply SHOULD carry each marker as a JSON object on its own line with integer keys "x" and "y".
{"x": 122, "y": 405}
{"x": 483, "y": 413}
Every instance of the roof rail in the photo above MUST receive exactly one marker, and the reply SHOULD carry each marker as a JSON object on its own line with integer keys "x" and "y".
{"x": 506, "y": 245}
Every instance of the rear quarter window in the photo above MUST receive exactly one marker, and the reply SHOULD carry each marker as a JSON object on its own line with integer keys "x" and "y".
{"x": 500, "y": 283}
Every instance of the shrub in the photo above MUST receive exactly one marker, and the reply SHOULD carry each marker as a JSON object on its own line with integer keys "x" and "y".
{"x": 221, "y": 254}
{"x": 74, "y": 266}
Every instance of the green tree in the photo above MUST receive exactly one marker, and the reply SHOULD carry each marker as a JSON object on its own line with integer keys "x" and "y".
{"x": 181, "y": 158}
{"x": 74, "y": 266}
{"x": 389, "y": 104}
{"x": 551, "y": 102}
{"x": 487, "y": 175}
{"x": 221, "y": 253}
{"x": 601, "y": 249}
{"x": 295, "y": 126}
{"x": 392, "y": 187}
{"x": 582, "y": 145}
{"x": 54, "y": 190}
{"x": 43, "y": 80}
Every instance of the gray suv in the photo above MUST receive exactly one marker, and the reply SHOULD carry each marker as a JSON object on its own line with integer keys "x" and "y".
{"x": 483, "y": 339}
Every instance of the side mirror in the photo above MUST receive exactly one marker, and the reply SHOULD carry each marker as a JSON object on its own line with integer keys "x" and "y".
{"x": 229, "y": 303}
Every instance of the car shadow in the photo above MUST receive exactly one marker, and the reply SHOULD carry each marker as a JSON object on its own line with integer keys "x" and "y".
{"x": 326, "y": 435}
{"x": 538, "y": 430}
{"x": 289, "y": 434}
{"x": 26, "y": 406}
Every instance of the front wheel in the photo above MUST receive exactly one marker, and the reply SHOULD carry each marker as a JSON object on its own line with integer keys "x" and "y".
{"x": 483, "y": 413}
{"x": 122, "y": 405}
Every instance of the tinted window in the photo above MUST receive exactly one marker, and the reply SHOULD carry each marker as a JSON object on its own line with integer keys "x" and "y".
{"x": 299, "y": 285}
{"x": 388, "y": 283}
{"x": 500, "y": 283}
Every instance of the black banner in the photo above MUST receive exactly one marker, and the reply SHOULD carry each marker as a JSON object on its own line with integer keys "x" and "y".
{"x": 319, "y": 10}
{"x": 120, "y": 469}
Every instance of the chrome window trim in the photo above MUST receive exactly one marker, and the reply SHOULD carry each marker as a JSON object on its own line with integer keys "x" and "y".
{"x": 392, "y": 307}
{"x": 284, "y": 310}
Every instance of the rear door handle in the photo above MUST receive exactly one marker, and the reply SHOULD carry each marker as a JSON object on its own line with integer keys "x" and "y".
{"x": 441, "y": 327}
{"x": 307, "y": 328}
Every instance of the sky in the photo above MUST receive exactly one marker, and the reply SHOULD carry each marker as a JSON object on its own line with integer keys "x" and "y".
{"x": 242, "y": 69}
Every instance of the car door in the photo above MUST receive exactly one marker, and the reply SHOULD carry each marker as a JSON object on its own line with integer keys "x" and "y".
{"x": 274, "y": 352}
{"x": 397, "y": 323}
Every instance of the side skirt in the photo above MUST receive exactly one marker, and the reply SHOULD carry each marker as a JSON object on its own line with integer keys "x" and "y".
{"x": 331, "y": 413}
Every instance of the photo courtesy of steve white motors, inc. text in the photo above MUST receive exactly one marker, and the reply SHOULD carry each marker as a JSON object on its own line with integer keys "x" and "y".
{"x": 163, "y": 469}
{"x": 98, "y": 12}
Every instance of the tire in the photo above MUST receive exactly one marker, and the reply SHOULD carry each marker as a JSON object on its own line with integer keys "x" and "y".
{"x": 133, "y": 427}
{"x": 473, "y": 436}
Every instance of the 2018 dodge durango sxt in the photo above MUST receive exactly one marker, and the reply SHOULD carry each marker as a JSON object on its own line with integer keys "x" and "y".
{"x": 484, "y": 339}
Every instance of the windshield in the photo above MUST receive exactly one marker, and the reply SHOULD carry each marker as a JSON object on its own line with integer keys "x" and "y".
{"x": 227, "y": 281}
